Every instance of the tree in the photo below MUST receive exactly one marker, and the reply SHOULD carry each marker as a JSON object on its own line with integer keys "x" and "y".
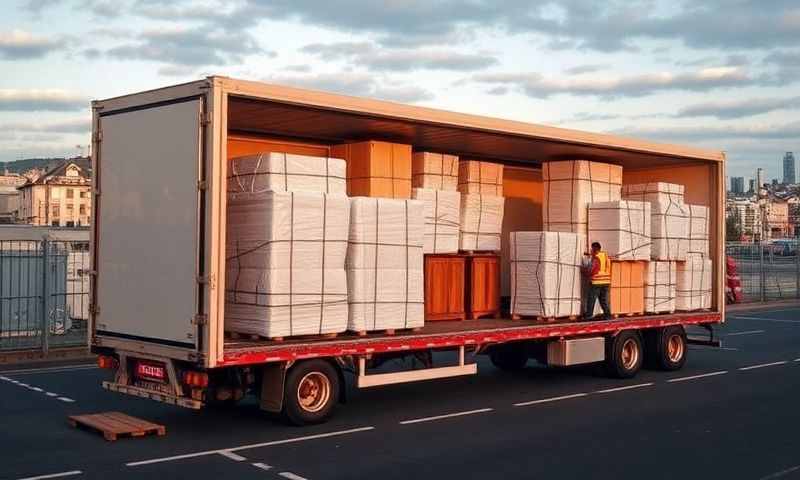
{"x": 733, "y": 227}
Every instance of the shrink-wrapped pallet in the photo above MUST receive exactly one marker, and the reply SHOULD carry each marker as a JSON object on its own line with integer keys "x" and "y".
{"x": 660, "y": 287}
{"x": 480, "y": 177}
{"x": 376, "y": 169}
{"x": 622, "y": 228}
{"x": 442, "y": 219}
{"x": 385, "y": 264}
{"x": 698, "y": 229}
{"x": 285, "y": 256}
{"x": 434, "y": 170}
{"x": 693, "y": 291}
{"x": 285, "y": 172}
{"x": 661, "y": 192}
{"x": 669, "y": 231}
{"x": 570, "y": 186}
{"x": 545, "y": 273}
{"x": 481, "y": 222}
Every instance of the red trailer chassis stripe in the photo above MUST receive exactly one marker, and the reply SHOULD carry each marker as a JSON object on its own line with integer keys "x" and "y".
{"x": 367, "y": 346}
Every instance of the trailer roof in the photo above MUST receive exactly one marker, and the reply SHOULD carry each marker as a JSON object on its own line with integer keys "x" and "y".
{"x": 273, "y": 109}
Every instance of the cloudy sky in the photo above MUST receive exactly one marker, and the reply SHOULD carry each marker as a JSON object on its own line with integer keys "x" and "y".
{"x": 723, "y": 74}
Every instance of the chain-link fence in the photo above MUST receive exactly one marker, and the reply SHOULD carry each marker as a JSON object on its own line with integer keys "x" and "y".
{"x": 768, "y": 271}
{"x": 44, "y": 294}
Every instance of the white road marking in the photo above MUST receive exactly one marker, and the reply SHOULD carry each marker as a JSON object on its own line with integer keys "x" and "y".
{"x": 232, "y": 456}
{"x": 23, "y": 385}
{"x": 781, "y": 473}
{"x": 694, "y": 377}
{"x": 551, "y": 399}
{"x": 448, "y": 415}
{"x": 5, "y": 379}
{"x": 66, "y": 399}
{"x": 753, "y": 367}
{"x": 50, "y": 369}
{"x": 245, "y": 447}
{"x": 51, "y": 394}
{"x": 262, "y": 466}
{"x": 37, "y": 389}
{"x": 797, "y": 359}
{"x": 749, "y": 332}
{"x": 54, "y": 475}
{"x": 619, "y": 389}
{"x": 291, "y": 476}
{"x": 764, "y": 319}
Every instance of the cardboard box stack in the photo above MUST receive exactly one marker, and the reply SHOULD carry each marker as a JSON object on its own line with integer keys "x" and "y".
{"x": 385, "y": 264}
{"x": 545, "y": 273}
{"x": 376, "y": 169}
{"x": 482, "y": 205}
{"x": 437, "y": 171}
{"x": 285, "y": 250}
{"x": 670, "y": 217}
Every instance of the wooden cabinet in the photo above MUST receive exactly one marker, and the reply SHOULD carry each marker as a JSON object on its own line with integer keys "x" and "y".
{"x": 483, "y": 286}
{"x": 444, "y": 287}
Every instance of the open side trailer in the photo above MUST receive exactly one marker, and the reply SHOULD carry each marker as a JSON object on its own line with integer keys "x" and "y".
{"x": 158, "y": 243}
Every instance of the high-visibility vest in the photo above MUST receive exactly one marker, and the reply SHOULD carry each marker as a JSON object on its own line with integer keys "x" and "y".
{"x": 603, "y": 275}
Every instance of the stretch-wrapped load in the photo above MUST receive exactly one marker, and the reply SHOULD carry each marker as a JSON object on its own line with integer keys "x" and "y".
{"x": 622, "y": 228}
{"x": 698, "y": 229}
{"x": 660, "y": 192}
{"x": 480, "y": 177}
{"x": 385, "y": 264}
{"x": 570, "y": 186}
{"x": 481, "y": 222}
{"x": 286, "y": 172}
{"x": 660, "y": 287}
{"x": 545, "y": 273}
{"x": 376, "y": 169}
{"x": 285, "y": 257}
{"x": 434, "y": 170}
{"x": 442, "y": 219}
{"x": 669, "y": 231}
{"x": 693, "y": 291}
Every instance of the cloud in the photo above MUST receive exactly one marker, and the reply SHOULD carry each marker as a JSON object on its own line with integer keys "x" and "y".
{"x": 74, "y": 125}
{"x": 359, "y": 84}
{"x": 195, "y": 46}
{"x": 19, "y": 45}
{"x": 539, "y": 86}
{"x": 787, "y": 131}
{"x": 588, "y": 117}
{"x": 400, "y": 60}
{"x": 739, "y": 108}
{"x": 36, "y": 6}
{"x": 588, "y": 68}
{"x": 41, "y": 100}
{"x": 176, "y": 70}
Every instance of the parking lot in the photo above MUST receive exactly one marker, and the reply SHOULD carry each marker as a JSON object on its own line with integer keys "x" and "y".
{"x": 731, "y": 412}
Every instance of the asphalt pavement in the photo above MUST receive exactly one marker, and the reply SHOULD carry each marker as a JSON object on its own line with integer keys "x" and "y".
{"x": 730, "y": 413}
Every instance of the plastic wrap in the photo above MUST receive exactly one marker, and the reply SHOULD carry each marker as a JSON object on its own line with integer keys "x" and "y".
{"x": 698, "y": 229}
{"x": 661, "y": 192}
{"x": 694, "y": 277}
{"x": 660, "y": 287}
{"x": 481, "y": 222}
{"x": 385, "y": 264}
{"x": 442, "y": 219}
{"x": 669, "y": 231}
{"x": 545, "y": 273}
{"x": 622, "y": 228}
{"x": 284, "y": 172}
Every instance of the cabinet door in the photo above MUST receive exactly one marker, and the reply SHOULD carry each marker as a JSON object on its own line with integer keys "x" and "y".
{"x": 484, "y": 284}
{"x": 444, "y": 288}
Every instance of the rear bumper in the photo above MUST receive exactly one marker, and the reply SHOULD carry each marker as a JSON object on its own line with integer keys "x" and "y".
{"x": 157, "y": 396}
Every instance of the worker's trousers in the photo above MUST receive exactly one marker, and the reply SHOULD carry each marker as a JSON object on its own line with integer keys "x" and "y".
{"x": 597, "y": 292}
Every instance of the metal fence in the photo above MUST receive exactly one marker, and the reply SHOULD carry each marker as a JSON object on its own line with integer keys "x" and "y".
{"x": 768, "y": 270}
{"x": 44, "y": 294}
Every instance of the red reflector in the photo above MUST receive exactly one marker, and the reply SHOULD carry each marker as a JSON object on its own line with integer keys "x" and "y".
{"x": 195, "y": 379}
{"x": 104, "y": 361}
{"x": 151, "y": 371}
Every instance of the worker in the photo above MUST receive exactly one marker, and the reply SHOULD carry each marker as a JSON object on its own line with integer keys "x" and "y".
{"x": 598, "y": 269}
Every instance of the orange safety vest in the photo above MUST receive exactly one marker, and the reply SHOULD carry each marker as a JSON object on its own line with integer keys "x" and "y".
{"x": 603, "y": 275}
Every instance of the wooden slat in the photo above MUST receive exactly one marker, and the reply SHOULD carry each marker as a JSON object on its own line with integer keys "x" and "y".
{"x": 114, "y": 424}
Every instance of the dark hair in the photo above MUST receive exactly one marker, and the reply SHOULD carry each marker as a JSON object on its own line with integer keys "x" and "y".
{"x": 596, "y": 245}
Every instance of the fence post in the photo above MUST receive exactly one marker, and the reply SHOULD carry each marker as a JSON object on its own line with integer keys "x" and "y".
{"x": 45, "y": 295}
{"x": 761, "y": 274}
{"x": 796, "y": 269}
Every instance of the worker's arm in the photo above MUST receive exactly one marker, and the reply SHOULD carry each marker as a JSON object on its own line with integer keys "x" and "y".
{"x": 595, "y": 266}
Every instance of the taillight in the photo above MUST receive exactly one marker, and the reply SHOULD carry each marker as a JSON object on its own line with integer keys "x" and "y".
{"x": 195, "y": 379}
{"x": 105, "y": 361}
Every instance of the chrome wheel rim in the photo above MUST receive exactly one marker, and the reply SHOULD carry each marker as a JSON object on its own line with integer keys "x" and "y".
{"x": 675, "y": 348}
{"x": 630, "y": 354}
{"x": 313, "y": 392}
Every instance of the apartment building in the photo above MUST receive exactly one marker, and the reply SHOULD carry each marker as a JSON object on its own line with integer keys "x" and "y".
{"x": 60, "y": 197}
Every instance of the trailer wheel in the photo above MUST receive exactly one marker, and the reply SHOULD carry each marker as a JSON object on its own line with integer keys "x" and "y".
{"x": 666, "y": 348}
{"x": 311, "y": 392}
{"x": 624, "y": 354}
{"x": 510, "y": 357}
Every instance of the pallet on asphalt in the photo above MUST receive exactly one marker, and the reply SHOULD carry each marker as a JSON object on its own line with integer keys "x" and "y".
{"x": 116, "y": 424}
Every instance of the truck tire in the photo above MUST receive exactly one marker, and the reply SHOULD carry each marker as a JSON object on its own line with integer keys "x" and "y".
{"x": 665, "y": 348}
{"x": 311, "y": 392}
{"x": 510, "y": 357}
{"x": 624, "y": 354}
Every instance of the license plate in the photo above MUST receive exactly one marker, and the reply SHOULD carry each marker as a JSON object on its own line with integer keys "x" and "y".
{"x": 151, "y": 371}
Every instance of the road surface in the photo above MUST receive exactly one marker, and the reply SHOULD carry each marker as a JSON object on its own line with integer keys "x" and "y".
{"x": 730, "y": 413}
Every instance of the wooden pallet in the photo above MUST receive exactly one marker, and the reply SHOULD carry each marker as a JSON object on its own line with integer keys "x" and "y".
{"x": 477, "y": 315}
{"x": 386, "y": 331}
{"x": 539, "y": 318}
{"x": 238, "y": 336}
{"x": 628, "y": 314}
{"x": 115, "y": 424}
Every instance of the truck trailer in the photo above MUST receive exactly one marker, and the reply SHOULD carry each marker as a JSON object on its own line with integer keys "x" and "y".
{"x": 157, "y": 311}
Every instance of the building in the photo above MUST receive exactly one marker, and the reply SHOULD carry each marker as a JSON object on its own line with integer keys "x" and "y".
{"x": 748, "y": 214}
{"x": 9, "y": 196}
{"x": 759, "y": 181}
{"x": 777, "y": 216}
{"x": 737, "y": 185}
{"x": 752, "y": 188}
{"x": 789, "y": 171}
{"x": 59, "y": 197}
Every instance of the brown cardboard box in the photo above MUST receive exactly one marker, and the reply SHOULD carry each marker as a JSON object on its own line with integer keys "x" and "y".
{"x": 376, "y": 169}
{"x": 434, "y": 170}
{"x": 480, "y": 177}
{"x": 627, "y": 287}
